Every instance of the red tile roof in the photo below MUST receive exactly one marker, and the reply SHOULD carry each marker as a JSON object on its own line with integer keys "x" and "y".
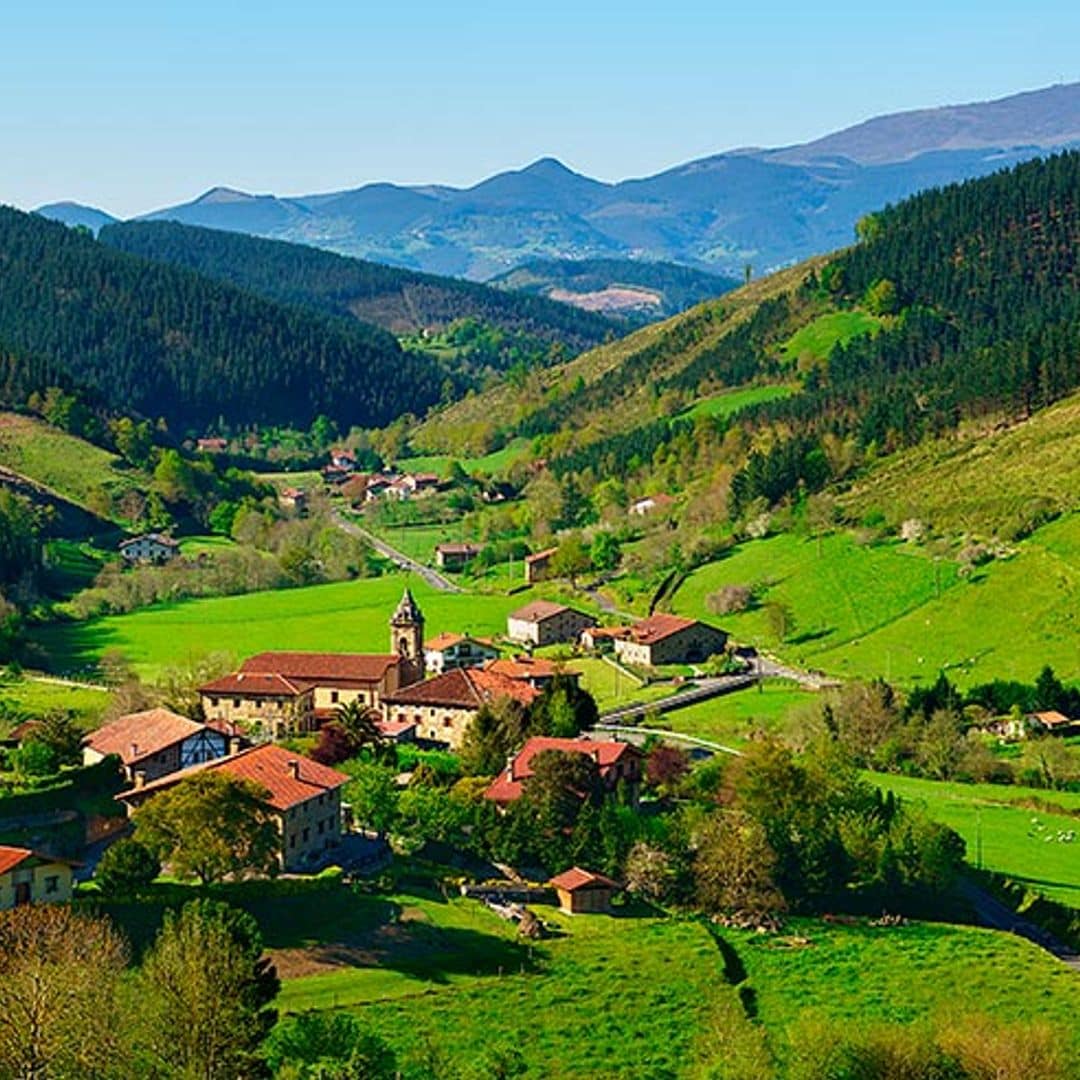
{"x": 539, "y": 610}
{"x": 447, "y": 640}
{"x": 509, "y": 784}
{"x": 1051, "y": 718}
{"x": 322, "y": 668}
{"x": 657, "y": 627}
{"x": 458, "y": 549}
{"x": 10, "y": 857}
{"x": 256, "y": 684}
{"x": 575, "y": 878}
{"x": 464, "y": 688}
{"x": 394, "y": 729}
{"x": 142, "y": 734}
{"x": 528, "y": 667}
{"x": 271, "y": 767}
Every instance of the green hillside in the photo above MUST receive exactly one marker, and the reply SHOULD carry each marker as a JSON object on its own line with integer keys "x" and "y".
{"x": 401, "y": 301}
{"x": 890, "y": 609}
{"x": 164, "y": 342}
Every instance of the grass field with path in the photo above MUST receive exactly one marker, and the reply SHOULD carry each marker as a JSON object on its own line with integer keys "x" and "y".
{"x": 347, "y": 616}
{"x": 1021, "y": 841}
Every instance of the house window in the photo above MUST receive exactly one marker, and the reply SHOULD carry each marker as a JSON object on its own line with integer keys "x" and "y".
{"x": 320, "y": 800}
{"x": 322, "y": 827}
{"x": 214, "y": 702}
{"x": 292, "y": 840}
{"x": 307, "y": 835}
{"x": 334, "y": 696}
{"x": 52, "y": 884}
{"x": 258, "y": 703}
{"x": 446, "y": 721}
{"x": 236, "y": 703}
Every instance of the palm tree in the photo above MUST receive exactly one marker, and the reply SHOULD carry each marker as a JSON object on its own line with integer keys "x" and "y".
{"x": 361, "y": 724}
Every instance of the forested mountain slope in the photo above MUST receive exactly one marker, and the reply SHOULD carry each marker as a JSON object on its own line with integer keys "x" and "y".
{"x": 165, "y": 342}
{"x": 956, "y": 306}
{"x": 401, "y": 301}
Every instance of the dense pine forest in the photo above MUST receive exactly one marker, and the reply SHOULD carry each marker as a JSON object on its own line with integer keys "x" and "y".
{"x": 402, "y": 301}
{"x": 167, "y": 343}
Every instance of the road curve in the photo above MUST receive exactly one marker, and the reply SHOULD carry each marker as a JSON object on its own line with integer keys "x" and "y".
{"x": 399, "y": 558}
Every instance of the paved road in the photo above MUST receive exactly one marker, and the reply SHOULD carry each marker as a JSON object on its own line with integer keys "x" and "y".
{"x": 993, "y": 913}
{"x": 432, "y": 577}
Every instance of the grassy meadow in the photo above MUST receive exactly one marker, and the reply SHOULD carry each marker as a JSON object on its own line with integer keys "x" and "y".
{"x": 24, "y": 695}
{"x": 349, "y": 616}
{"x": 498, "y": 461}
{"x": 818, "y": 338}
{"x": 66, "y": 465}
{"x": 875, "y": 610}
{"x": 733, "y": 400}
{"x": 1016, "y": 839}
{"x": 733, "y": 718}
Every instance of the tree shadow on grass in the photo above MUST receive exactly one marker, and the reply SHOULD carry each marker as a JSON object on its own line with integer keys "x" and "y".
{"x": 811, "y": 635}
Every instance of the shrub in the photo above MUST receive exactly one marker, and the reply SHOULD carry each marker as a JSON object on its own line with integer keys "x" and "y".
{"x": 126, "y": 867}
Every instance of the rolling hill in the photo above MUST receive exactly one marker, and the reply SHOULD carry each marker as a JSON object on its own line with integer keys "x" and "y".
{"x": 165, "y": 342}
{"x": 400, "y": 301}
{"x": 768, "y": 207}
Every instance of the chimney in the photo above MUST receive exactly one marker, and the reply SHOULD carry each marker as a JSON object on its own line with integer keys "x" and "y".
{"x": 140, "y": 779}
{"x": 294, "y": 768}
{"x": 134, "y": 750}
{"x": 233, "y": 745}
{"x": 509, "y": 766}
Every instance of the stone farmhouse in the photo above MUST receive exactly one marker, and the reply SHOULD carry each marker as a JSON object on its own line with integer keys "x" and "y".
{"x": 544, "y": 622}
{"x": 156, "y": 548}
{"x": 30, "y": 877}
{"x": 442, "y": 708}
{"x": 668, "y": 639}
{"x": 447, "y": 651}
{"x": 617, "y": 763}
{"x": 455, "y": 556}
{"x": 279, "y": 693}
{"x": 303, "y": 797}
{"x": 154, "y": 743}
{"x": 538, "y": 565}
{"x": 652, "y": 504}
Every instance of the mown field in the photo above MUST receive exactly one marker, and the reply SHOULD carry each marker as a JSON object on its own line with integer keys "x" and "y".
{"x": 1024, "y": 841}
{"x": 611, "y": 687}
{"x": 498, "y": 461}
{"x": 347, "y": 616}
{"x": 868, "y": 611}
{"x": 66, "y": 465}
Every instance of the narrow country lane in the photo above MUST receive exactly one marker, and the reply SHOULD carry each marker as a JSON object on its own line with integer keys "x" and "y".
{"x": 432, "y": 577}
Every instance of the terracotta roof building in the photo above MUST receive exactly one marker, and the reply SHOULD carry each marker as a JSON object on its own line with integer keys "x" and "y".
{"x": 443, "y": 707}
{"x": 455, "y": 556}
{"x": 31, "y": 877}
{"x": 583, "y": 892}
{"x": 535, "y": 670}
{"x": 155, "y": 742}
{"x": 669, "y": 639}
{"x": 447, "y": 651}
{"x": 303, "y": 796}
{"x": 617, "y": 762}
{"x": 544, "y": 622}
{"x": 538, "y": 565}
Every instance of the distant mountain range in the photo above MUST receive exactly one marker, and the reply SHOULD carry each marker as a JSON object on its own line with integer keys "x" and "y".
{"x": 764, "y": 207}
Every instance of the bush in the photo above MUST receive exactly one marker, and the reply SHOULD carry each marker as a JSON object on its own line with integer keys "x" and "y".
{"x": 126, "y": 868}
{"x": 730, "y": 599}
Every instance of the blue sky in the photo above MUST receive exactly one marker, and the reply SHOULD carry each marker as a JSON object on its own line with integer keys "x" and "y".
{"x": 131, "y": 106}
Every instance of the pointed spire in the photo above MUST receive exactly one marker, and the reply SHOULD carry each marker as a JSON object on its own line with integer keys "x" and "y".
{"x": 407, "y": 610}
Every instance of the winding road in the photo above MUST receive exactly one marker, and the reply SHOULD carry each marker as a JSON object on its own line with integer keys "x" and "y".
{"x": 399, "y": 558}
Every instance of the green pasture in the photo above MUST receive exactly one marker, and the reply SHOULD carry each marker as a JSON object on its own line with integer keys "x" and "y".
{"x": 733, "y": 718}
{"x": 25, "y": 697}
{"x": 498, "y": 461}
{"x": 733, "y": 400}
{"x": 869, "y": 611}
{"x": 347, "y": 616}
{"x": 818, "y": 338}
{"x": 611, "y": 687}
{"x": 1019, "y": 840}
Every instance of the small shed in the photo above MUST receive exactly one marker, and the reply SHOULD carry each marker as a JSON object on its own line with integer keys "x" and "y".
{"x": 583, "y": 892}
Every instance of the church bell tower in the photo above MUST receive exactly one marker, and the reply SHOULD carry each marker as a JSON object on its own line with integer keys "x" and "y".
{"x": 407, "y": 640}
